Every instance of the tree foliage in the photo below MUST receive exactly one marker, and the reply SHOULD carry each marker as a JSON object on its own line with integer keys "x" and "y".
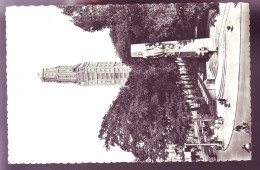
{"x": 147, "y": 115}
{"x": 131, "y": 24}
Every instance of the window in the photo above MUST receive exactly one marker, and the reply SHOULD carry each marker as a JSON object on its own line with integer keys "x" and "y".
{"x": 108, "y": 75}
{"x": 90, "y": 76}
{"x": 103, "y": 75}
{"x": 112, "y": 75}
{"x": 93, "y": 76}
{"x": 116, "y": 75}
{"x": 99, "y": 76}
{"x": 121, "y": 75}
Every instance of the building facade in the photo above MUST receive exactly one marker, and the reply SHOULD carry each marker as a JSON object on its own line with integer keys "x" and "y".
{"x": 87, "y": 74}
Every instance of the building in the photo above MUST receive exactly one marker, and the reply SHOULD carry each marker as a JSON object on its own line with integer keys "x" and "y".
{"x": 209, "y": 94}
{"x": 88, "y": 73}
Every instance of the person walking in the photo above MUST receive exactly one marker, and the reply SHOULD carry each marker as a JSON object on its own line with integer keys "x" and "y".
{"x": 219, "y": 117}
{"x": 245, "y": 125}
{"x": 224, "y": 101}
{"x": 247, "y": 147}
{"x": 227, "y": 104}
{"x": 230, "y": 28}
{"x": 238, "y": 128}
{"x": 243, "y": 128}
{"x": 246, "y": 128}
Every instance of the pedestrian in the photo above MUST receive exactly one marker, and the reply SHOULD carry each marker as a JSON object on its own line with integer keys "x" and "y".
{"x": 247, "y": 147}
{"x": 220, "y": 117}
{"x": 227, "y": 105}
{"x": 245, "y": 125}
{"x": 246, "y": 128}
{"x": 238, "y": 128}
{"x": 230, "y": 28}
{"x": 222, "y": 101}
{"x": 243, "y": 128}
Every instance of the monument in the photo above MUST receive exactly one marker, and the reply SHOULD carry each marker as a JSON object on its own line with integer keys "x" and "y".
{"x": 194, "y": 48}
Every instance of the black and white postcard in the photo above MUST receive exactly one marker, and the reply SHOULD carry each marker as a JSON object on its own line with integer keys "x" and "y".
{"x": 128, "y": 83}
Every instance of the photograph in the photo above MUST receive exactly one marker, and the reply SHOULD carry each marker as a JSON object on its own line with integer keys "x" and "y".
{"x": 128, "y": 83}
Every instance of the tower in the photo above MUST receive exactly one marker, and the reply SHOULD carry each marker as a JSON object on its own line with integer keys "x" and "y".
{"x": 88, "y": 74}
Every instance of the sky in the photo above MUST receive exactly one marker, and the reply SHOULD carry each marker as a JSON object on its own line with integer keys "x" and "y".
{"x": 52, "y": 122}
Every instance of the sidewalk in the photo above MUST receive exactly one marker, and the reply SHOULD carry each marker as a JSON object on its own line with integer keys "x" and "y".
{"x": 227, "y": 78}
{"x": 242, "y": 107}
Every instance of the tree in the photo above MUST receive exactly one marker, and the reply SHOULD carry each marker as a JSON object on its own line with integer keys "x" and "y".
{"x": 147, "y": 115}
{"x": 131, "y": 24}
